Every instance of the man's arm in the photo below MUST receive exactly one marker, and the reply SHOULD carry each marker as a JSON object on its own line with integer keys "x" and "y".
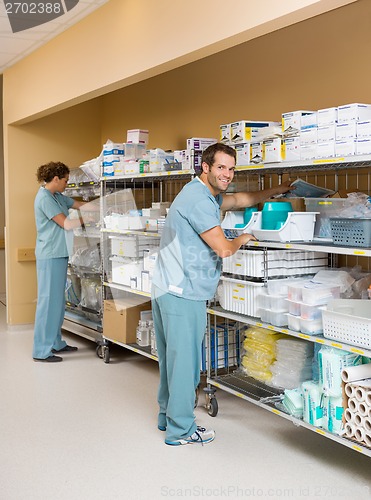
{"x": 222, "y": 247}
{"x": 235, "y": 201}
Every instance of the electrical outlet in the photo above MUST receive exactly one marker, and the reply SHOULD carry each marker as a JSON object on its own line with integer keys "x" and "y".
{"x": 26, "y": 255}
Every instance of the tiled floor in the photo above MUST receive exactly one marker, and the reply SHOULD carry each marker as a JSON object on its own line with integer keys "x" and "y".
{"x": 83, "y": 429}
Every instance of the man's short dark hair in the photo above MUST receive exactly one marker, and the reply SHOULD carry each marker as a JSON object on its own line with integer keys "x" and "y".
{"x": 208, "y": 155}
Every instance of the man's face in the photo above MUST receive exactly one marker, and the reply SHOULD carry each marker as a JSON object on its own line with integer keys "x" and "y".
{"x": 221, "y": 173}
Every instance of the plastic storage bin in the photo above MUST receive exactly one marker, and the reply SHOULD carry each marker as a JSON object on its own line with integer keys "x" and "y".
{"x": 299, "y": 226}
{"x": 276, "y": 318}
{"x": 293, "y": 322}
{"x": 233, "y": 223}
{"x": 351, "y": 232}
{"x": 326, "y": 208}
{"x": 349, "y": 321}
{"x": 318, "y": 294}
{"x": 239, "y": 296}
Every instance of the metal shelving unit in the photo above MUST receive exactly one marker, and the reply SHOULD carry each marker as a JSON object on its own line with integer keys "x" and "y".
{"x": 79, "y": 319}
{"x": 162, "y": 185}
{"x": 233, "y": 380}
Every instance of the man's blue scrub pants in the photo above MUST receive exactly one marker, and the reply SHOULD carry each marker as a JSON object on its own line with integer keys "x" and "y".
{"x": 180, "y": 326}
{"x": 51, "y": 283}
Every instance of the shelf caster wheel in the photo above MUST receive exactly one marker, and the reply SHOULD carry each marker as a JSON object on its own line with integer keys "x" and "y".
{"x": 106, "y": 354}
{"x": 211, "y": 402}
{"x": 99, "y": 351}
{"x": 212, "y": 407}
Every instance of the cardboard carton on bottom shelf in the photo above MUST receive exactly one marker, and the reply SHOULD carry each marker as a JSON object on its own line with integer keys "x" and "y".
{"x": 121, "y": 317}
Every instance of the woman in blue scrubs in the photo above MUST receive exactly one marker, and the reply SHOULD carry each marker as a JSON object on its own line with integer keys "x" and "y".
{"x": 52, "y": 225}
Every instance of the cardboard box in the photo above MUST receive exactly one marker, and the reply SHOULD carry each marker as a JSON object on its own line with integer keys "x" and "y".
{"x": 354, "y": 111}
{"x": 121, "y": 317}
{"x": 137, "y": 136}
{"x": 327, "y": 133}
{"x": 290, "y": 149}
{"x": 327, "y": 116}
{"x": 293, "y": 120}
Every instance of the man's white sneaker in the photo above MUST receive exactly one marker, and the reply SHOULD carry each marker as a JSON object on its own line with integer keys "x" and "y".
{"x": 200, "y": 436}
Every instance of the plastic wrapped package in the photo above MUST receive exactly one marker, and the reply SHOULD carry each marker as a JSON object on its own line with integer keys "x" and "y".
{"x": 259, "y": 352}
{"x": 91, "y": 295}
{"x": 293, "y": 363}
{"x": 87, "y": 258}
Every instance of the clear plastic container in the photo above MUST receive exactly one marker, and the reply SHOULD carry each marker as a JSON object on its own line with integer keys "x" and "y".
{"x": 293, "y": 322}
{"x": 294, "y": 307}
{"x": 310, "y": 312}
{"x": 273, "y": 317}
{"x": 273, "y": 302}
{"x": 318, "y": 293}
{"x": 311, "y": 326}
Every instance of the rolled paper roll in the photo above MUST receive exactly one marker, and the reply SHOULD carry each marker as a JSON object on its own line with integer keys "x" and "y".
{"x": 362, "y": 409}
{"x": 359, "y": 434}
{"x": 359, "y": 421}
{"x": 349, "y": 429}
{"x": 349, "y": 390}
{"x": 349, "y": 415}
{"x": 359, "y": 372}
{"x": 368, "y": 439}
{"x": 368, "y": 398}
{"x": 367, "y": 424}
{"x": 353, "y": 405}
{"x": 360, "y": 393}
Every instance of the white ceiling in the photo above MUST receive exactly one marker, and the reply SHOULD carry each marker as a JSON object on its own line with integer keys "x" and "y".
{"x": 15, "y": 46}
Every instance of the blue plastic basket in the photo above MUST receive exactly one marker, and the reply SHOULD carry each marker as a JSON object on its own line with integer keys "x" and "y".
{"x": 351, "y": 232}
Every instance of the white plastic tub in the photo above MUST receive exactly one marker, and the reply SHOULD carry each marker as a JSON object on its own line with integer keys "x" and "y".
{"x": 349, "y": 321}
{"x": 299, "y": 226}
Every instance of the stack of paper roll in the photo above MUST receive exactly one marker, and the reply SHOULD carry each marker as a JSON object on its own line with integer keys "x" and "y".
{"x": 357, "y": 380}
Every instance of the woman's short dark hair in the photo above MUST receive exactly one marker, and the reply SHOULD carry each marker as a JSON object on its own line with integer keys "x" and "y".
{"x": 47, "y": 172}
{"x": 208, "y": 155}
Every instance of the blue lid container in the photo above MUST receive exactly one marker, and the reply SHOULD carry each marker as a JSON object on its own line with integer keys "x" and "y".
{"x": 274, "y": 214}
{"x": 248, "y": 214}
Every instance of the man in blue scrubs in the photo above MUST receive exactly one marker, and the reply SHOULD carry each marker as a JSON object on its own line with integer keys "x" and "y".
{"x": 186, "y": 276}
{"x": 52, "y": 224}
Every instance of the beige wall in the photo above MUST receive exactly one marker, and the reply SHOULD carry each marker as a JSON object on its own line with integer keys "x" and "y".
{"x": 308, "y": 65}
{"x": 2, "y": 202}
{"x": 71, "y": 136}
{"x": 124, "y": 42}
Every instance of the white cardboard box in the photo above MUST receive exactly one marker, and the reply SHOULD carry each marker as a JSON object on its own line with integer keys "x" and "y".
{"x": 308, "y": 152}
{"x": 345, "y": 148}
{"x": 272, "y": 150}
{"x": 200, "y": 143}
{"x": 354, "y": 111}
{"x": 308, "y": 136}
{"x": 243, "y": 153}
{"x": 292, "y": 120}
{"x": 345, "y": 131}
{"x": 364, "y": 129}
{"x": 363, "y": 146}
{"x": 137, "y": 136}
{"x": 325, "y": 149}
{"x": 326, "y": 133}
{"x": 327, "y": 116}
{"x": 225, "y": 133}
{"x": 256, "y": 152}
{"x": 290, "y": 149}
{"x": 246, "y": 131}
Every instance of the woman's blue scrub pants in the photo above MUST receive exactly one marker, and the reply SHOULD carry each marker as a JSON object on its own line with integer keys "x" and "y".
{"x": 51, "y": 283}
{"x": 180, "y": 328}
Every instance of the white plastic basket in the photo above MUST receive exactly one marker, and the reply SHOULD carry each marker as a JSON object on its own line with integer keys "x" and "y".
{"x": 232, "y": 218}
{"x": 349, "y": 321}
{"x": 299, "y": 226}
